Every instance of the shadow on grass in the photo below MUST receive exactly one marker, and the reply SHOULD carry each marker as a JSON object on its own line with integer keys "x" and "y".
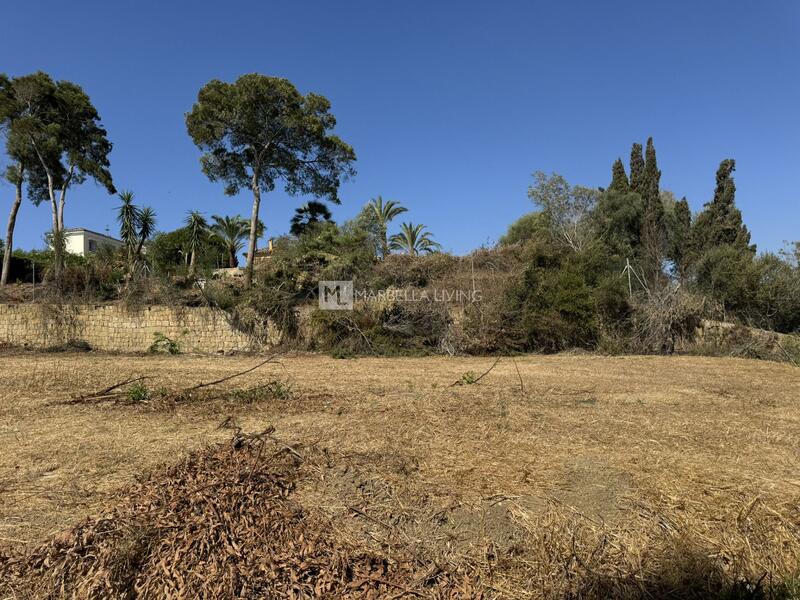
{"x": 690, "y": 576}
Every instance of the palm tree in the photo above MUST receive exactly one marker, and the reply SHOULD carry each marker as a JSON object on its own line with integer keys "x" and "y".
{"x": 128, "y": 219}
{"x": 385, "y": 212}
{"x": 197, "y": 226}
{"x": 136, "y": 225}
{"x": 147, "y": 227}
{"x": 413, "y": 239}
{"x": 233, "y": 231}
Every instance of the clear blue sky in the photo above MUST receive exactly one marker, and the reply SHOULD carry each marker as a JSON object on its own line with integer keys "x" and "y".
{"x": 449, "y": 106}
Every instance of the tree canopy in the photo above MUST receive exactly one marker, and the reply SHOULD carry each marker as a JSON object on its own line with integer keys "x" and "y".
{"x": 259, "y": 131}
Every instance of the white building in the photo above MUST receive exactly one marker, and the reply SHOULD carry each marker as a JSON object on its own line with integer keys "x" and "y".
{"x": 82, "y": 241}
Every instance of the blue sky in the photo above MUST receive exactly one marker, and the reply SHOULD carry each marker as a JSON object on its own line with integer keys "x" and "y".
{"x": 450, "y": 106}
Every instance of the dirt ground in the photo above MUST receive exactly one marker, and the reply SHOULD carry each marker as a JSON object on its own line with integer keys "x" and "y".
{"x": 630, "y": 467}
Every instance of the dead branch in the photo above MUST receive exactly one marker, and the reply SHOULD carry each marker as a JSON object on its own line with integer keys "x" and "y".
{"x": 229, "y": 377}
{"x": 477, "y": 379}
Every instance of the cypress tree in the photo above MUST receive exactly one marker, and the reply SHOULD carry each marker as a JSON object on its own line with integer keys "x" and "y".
{"x": 679, "y": 235}
{"x": 653, "y": 237}
{"x": 725, "y": 192}
{"x": 651, "y": 180}
{"x": 721, "y": 223}
{"x": 637, "y": 168}
{"x": 619, "y": 180}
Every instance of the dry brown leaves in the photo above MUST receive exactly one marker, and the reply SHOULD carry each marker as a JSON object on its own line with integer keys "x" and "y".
{"x": 220, "y": 524}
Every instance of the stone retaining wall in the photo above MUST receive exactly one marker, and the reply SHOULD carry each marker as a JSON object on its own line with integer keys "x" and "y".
{"x": 117, "y": 328}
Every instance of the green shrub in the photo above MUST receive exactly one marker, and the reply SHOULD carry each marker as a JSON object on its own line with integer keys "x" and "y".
{"x": 164, "y": 345}
{"x": 138, "y": 393}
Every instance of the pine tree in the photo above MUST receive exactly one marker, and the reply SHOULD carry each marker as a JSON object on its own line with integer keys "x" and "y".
{"x": 637, "y": 168}
{"x": 619, "y": 180}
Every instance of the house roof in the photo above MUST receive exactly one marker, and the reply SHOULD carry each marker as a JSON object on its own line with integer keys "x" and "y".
{"x": 84, "y": 230}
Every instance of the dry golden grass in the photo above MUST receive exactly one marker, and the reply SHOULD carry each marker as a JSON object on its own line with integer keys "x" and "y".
{"x": 553, "y": 476}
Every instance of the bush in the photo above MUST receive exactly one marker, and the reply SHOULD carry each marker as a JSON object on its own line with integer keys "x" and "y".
{"x": 663, "y": 319}
{"x": 372, "y": 328}
{"x": 256, "y": 310}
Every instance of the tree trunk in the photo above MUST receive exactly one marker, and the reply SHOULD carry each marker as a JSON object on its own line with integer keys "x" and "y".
{"x": 384, "y": 242}
{"x": 63, "y": 200}
{"x": 232, "y": 263}
{"x": 58, "y": 259}
{"x": 12, "y": 221}
{"x": 251, "y": 251}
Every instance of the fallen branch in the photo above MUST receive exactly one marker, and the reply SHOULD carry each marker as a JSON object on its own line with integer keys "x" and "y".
{"x": 477, "y": 379}
{"x": 105, "y": 394}
{"x": 229, "y": 377}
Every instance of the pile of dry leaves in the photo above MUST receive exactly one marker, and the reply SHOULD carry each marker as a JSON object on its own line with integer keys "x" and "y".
{"x": 221, "y": 524}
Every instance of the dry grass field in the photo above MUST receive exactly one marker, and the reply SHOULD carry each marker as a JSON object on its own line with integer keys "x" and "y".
{"x": 550, "y": 477}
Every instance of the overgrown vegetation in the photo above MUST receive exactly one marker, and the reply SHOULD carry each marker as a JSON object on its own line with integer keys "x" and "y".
{"x": 622, "y": 268}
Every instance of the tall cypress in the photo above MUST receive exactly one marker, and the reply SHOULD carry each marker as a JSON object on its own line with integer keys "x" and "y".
{"x": 651, "y": 179}
{"x": 653, "y": 236}
{"x": 725, "y": 191}
{"x": 721, "y": 223}
{"x": 619, "y": 180}
{"x": 679, "y": 234}
{"x": 637, "y": 168}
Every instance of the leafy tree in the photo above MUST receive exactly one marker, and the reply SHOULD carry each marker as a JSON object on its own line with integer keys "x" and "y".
{"x": 260, "y": 130}
{"x": 61, "y": 128}
{"x": 619, "y": 180}
{"x": 778, "y": 294}
{"x": 384, "y": 212}
{"x": 565, "y": 207}
{"x": 565, "y": 296}
{"x": 729, "y": 276}
{"x": 233, "y": 231}
{"x": 637, "y": 169}
{"x": 169, "y": 253}
{"x": 617, "y": 221}
{"x": 413, "y": 240}
{"x": 533, "y": 226}
{"x": 308, "y": 215}
{"x": 197, "y": 229}
{"x": 366, "y": 225}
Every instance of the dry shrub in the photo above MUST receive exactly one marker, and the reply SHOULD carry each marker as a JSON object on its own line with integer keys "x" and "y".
{"x": 374, "y": 327}
{"x": 403, "y": 270}
{"x": 257, "y": 312}
{"x": 666, "y": 318}
{"x": 492, "y": 325}
{"x": 731, "y": 339}
{"x": 221, "y": 524}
